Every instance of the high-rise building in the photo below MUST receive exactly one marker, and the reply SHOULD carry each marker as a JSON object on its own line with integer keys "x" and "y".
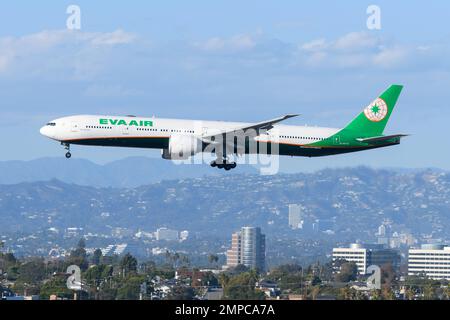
{"x": 234, "y": 254}
{"x": 382, "y": 230}
{"x": 365, "y": 255}
{"x": 295, "y": 218}
{"x": 431, "y": 260}
{"x": 248, "y": 247}
{"x": 355, "y": 253}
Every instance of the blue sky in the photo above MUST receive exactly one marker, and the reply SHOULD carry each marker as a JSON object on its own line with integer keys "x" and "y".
{"x": 228, "y": 60}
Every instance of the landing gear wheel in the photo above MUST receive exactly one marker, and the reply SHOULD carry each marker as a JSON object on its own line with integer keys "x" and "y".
{"x": 213, "y": 164}
{"x": 67, "y": 147}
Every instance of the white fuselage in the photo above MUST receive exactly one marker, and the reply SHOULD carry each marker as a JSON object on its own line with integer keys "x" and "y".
{"x": 83, "y": 128}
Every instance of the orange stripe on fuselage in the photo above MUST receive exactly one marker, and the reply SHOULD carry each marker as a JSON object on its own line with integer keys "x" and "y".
{"x": 168, "y": 137}
{"x": 122, "y": 137}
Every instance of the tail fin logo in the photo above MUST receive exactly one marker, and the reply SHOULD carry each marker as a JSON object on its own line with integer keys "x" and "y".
{"x": 376, "y": 111}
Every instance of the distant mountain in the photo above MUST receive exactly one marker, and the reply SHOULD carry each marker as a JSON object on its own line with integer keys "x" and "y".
{"x": 351, "y": 203}
{"x": 129, "y": 172}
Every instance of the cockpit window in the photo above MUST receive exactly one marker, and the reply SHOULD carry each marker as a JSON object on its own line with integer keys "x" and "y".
{"x": 51, "y": 124}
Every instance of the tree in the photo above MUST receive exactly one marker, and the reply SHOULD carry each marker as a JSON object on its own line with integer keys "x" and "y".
{"x": 128, "y": 264}
{"x": 348, "y": 272}
{"x": 240, "y": 268}
{"x": 129, "y": 288}
{"x": 289, "y": 277}
{"x": 209, "y": 279}
{"x": 212, "y": 258}
{"x": 446, "y": 293}
{"x": 410, "y": 293}
{"x": 375, "y": 294}
{"x": 387, "y": 274}
{"x": 56, "y": 286}
{"x": 81, "y": 244}
{"x": 242, "y": 287}
{"x": 78, "y": 256}
{"x": 185, "y": 261}
{"x": 316, "y": 281}
{"x": 429, "y": 292}
{"x": 32, "y": 272}
{"x": 97, "y": 275}
{"x": 315, "y": 292}
{"x": 387, "y": 293}
{"x": 181, "y": 293}
{"x": 96, "y": 257}
{"x": 223, "y": 279}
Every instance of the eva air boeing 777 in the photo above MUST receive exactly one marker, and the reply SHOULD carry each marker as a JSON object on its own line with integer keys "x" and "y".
{"x": 181, "y": 139}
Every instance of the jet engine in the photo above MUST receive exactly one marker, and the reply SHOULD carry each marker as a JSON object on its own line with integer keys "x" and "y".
{"x": 181, "y": 147}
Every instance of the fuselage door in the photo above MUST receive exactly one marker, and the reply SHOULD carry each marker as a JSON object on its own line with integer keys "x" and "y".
{"x": 125, "y": 130}
{"x": 337, "y": 140}
{"x": 74, "y": 127}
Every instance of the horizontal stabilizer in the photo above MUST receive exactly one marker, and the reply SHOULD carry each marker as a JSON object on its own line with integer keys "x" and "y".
{"x": 382, "y": 138}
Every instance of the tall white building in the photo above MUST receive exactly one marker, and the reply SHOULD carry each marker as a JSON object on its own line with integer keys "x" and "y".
{"x": 295, "y": 217}
{"x": 248, "y": 247}
{"x": 431, "y": 259}
{"x": 382, "y": 230}
{"x": 355, "y": 253}
{"x": 365, "y": 255}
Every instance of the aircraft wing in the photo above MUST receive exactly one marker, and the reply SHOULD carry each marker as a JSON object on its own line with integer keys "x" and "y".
{"x": 264, "y": 125}
{"x": 382, "y": 138}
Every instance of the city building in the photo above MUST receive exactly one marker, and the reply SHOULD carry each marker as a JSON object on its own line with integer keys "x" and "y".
{"x": 365, "y": 255}
{"x": 355, "y": 253}
{"x": 120, "y": 249}
{"x": 295, "y": 218}
{"x": 184, "y": 235}
{"x": 114, "y": 249}
{"x": 248, "y": 247}
{"x": 432, "y": 260}
{"x": 73, "y": 232}
{"x": 381, "y": 230}
{"x": 167, "y": 234}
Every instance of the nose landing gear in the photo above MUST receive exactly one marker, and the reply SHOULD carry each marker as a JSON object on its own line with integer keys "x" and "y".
{"x": 67, "y": 147}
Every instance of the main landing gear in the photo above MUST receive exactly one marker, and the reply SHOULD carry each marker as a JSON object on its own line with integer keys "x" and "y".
{"x": 224, "y": 164}
{"x": 67, "y": 147}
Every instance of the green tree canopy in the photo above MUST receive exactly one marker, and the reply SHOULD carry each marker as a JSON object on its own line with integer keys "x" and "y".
{"x": 348, "y": 272}
{"x": 242, "y": 287}
{"x": 128, "y": 263}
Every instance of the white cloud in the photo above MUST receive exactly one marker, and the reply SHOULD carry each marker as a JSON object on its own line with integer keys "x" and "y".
{"x": 56, "y": 48}
{"x": 391, "y": 57}
{"x": 212, "y": 44}
{"x": 356, "y": 41}
{"x": 110, "y": 91}
{"x": 242, "y": 42}
{"x": 112, "y": 38}
{"x": 315, "y": 45}
{"x": 355, "y": 50}
{"x": 236, "y": 43}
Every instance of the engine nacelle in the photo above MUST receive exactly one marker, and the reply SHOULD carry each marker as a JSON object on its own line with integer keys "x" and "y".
{"x": 181, "y": 147}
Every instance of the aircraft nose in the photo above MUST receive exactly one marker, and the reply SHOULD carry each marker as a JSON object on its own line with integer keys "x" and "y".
{"x": 45, "y": 131}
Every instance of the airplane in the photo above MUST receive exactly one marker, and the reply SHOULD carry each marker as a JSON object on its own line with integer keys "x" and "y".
{"x": 181, "y": 139}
